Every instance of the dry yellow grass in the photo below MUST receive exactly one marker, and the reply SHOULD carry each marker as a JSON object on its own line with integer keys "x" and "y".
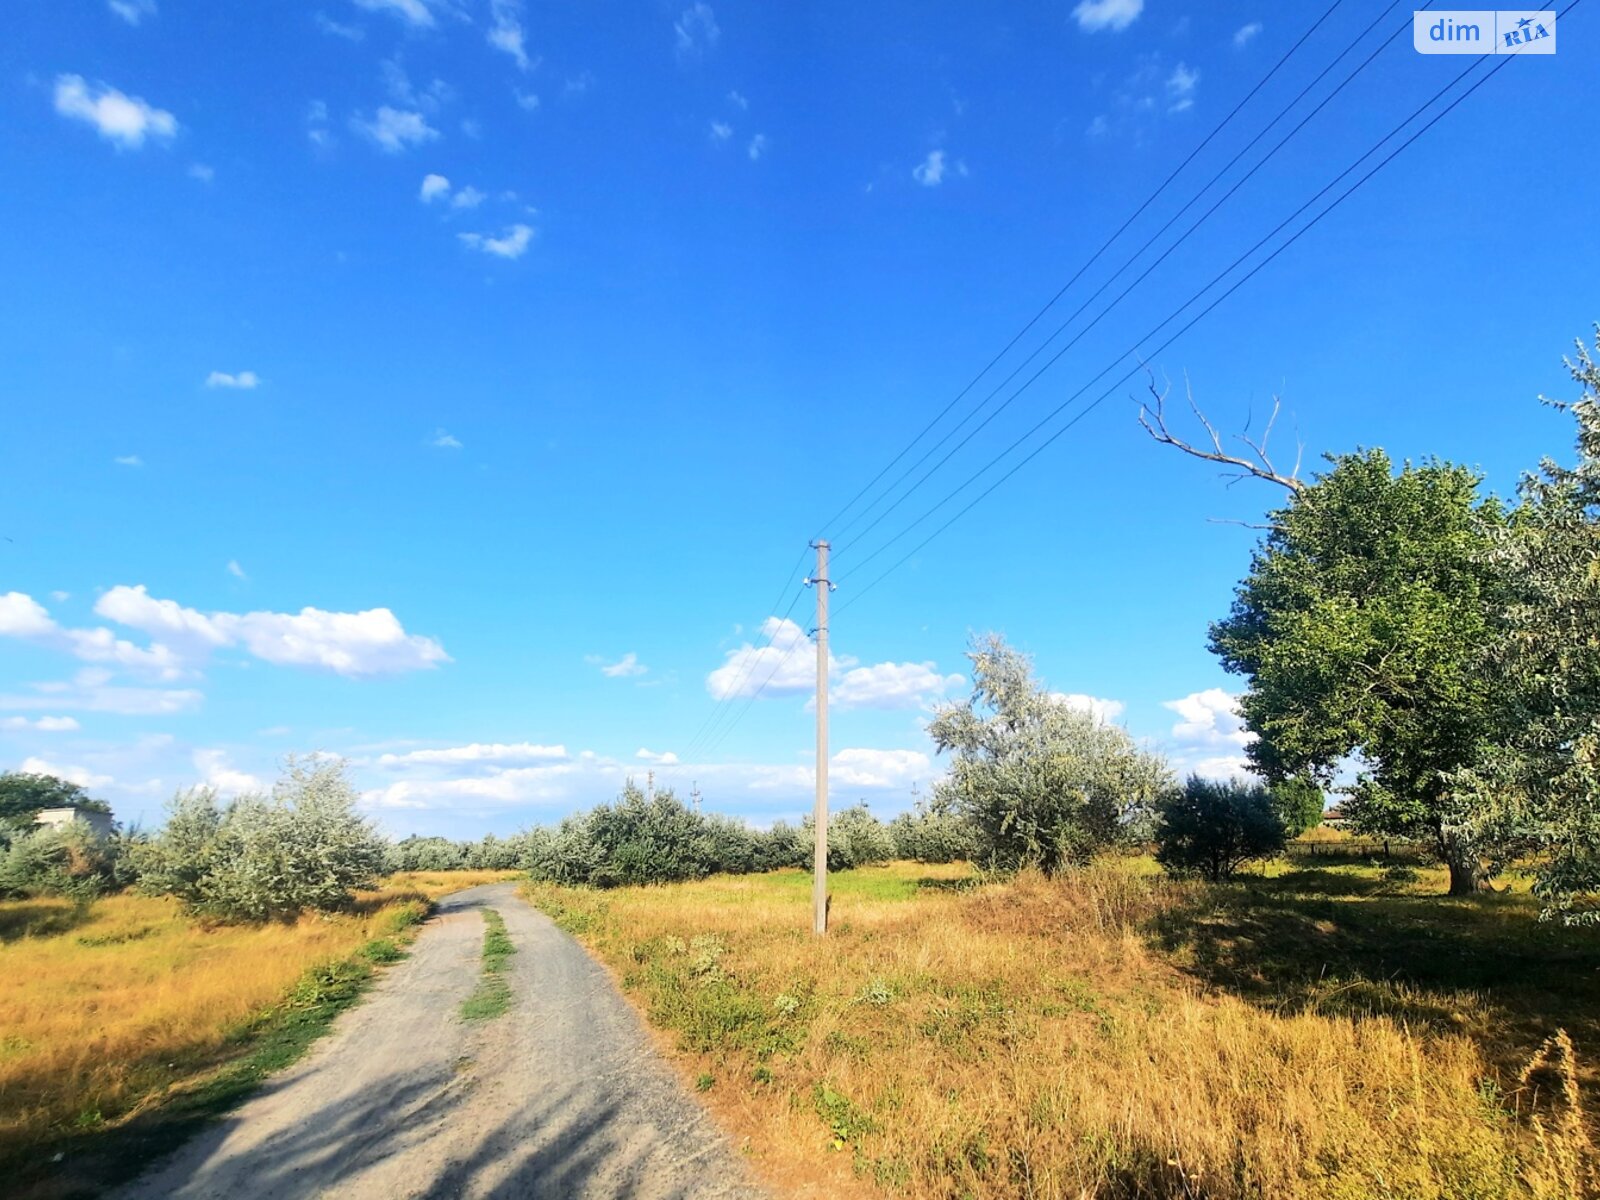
{"x": 1033, "y": 1039}
{"x": 102, "y": 1010}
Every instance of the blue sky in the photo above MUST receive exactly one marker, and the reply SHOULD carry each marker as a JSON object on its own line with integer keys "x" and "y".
{"x": 452, "y": 384}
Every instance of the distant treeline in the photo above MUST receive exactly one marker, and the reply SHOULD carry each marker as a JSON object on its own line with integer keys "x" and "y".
{"x": 658, "y": 839}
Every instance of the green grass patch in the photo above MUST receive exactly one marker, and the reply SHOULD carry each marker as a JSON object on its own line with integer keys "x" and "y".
{"x": 493, "y": 995}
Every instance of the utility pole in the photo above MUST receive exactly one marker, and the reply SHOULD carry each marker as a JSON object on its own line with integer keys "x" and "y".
{"x": 819, "y": 860}
{"x": 650, "y": 785}
{"x": 694, "y": 794}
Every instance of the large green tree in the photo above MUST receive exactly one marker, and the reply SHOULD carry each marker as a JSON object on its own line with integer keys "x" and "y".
{"x": 1536, "y": 777}
{"x": 1361, "y": 630}
{"x": 1043, "y": 783}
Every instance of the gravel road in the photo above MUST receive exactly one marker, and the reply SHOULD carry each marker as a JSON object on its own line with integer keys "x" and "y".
{"x": 562, "y": 1098}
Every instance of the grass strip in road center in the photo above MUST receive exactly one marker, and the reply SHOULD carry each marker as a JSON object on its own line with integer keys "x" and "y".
{"x": 493, "y": 995}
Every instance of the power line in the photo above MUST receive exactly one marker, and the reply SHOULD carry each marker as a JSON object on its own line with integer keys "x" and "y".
{"x": 1198, "y": 317}
{"x": 1078, "y": 274}
{"x": 708, "y": 736}
{"x": 1129, "y": 261}
{"x": 1145, "y": 274}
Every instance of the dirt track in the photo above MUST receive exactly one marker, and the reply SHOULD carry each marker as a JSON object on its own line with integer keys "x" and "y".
{"x": 562, "y": 1097}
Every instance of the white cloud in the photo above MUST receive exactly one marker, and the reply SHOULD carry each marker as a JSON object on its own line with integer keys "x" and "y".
{"x": 1180, "y": 88}
{"x": 1209, "y": 737}
{"x": 413, "y": 12}
{"x": 482, "y": 753}
{"x": 393, "y": 130}
{"x": 81, "y": 776}
{"x": 361, "y": 643}
{"x": 757, "y": 146}
{"x": 433, "y": 186}
{"x": 892, "y": 685}
{"x": 128, "y": 460}
{"x": 201, "y": 172}
{"x": 696, "y": 31}
{"x": 885, "y": 769}
{"x": 1245, "y": 33}
{"x": 102, "y": 646}
{"x": 468, "y": 197}
{"x": 132, "y": 11}
{"x": 42, "y": 724}
{"x": 738, "y": 100}
{"x": 22, "y": 616}
{"x": 785, "y": 666}
{"x": 1094, "y": 15}
{"x": 1209, "y": 718}
{"x": 626, "y": 666}
{"x": 579, "y": 84}
{"x": 444, "y": 441}
{"x": 125, "y": 120}
{"x": 527, "y": 101}
{"x": 930, "y": 171}
{"x": 244, "y": 380}
{"x": 549, "y": 789}
{"x": 236, "y": 570}
{"x": 90, "y": 691}
{"x": 1105, "y": 711}
{"x": 506, "y": 31}
{"x": 350, "y": 33}
{"x": 216, "y": 771}
{"x": 721, "y": 131}
{"x": 512, "y": 243}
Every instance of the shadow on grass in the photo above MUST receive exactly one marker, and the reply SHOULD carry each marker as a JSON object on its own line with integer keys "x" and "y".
{"x": 37, "y": 920}
{"x": 1335, "y": 943}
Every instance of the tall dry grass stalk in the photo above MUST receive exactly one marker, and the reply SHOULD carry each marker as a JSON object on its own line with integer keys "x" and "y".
{"x": 1026, "y": 1040}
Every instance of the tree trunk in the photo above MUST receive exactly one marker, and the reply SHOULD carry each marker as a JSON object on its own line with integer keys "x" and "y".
{"x": 1468, "y": 876}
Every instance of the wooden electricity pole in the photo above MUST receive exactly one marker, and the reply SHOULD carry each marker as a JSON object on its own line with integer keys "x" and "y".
{"x": 819, "y": 860}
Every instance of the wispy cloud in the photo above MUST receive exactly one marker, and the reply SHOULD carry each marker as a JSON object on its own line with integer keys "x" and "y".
{"x": 41, "y": 724}
{"x": 132, "y": 11}
{"x": 393, "y": 130}
{"x": 433, "y": 187}
{"x": 350, "y": 33}
{"x": 757, "y": 147}
{"x": 721, "y": 131}
{"x": 244, "y": 380}
{"x": 1246, "y": 33}
{"x": 236, "y": 570}
{"x": 444, "y": 441}
{"x": 512, "y": 242}
{"x": 505, "y": 31}
{"x": 1095, "y": 15}
{"x": 412, "y": 12}
{"x": 696, "y": 32}
{"x": 125, "y": 120}
{"x": 624, "y": 668}
{"x": 1181, "y": 85}
{"x": 201, "y": 172}
{"x": 128, "y": 460}
{"x": 930, "y": 171}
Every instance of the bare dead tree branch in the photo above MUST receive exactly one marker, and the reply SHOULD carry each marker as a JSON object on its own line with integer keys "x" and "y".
{"x": 1258, "y": 465}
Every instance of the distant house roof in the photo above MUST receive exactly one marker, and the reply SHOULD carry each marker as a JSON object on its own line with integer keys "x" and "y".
{"x": 1336, "y": 813}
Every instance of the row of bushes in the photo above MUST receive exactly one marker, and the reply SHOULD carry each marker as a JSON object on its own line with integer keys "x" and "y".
{"x": 305, "y": 846}
{"x": 657, "y": 839}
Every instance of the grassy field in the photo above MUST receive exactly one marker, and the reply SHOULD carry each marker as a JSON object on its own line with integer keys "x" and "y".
{"x": 1342, "y": 1032}
{"x": 110, "y": 1010}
